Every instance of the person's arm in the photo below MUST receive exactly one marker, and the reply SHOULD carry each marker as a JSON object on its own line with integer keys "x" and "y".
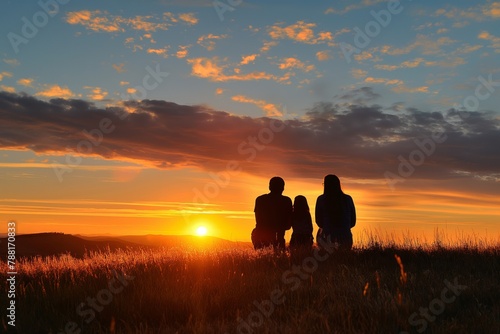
{"x": 309, "y": 223}
{"x": 353, "y": 212}
{"x": 290, "y": 214}
{"x": 258, "y": 213}
{"x": 319, "y": 212}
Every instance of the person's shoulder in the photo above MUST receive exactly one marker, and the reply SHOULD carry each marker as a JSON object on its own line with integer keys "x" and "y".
{"x": 262, "y": 197}
{"x": 349, "y": 198}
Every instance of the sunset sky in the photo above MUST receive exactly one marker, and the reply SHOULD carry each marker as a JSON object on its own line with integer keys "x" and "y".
{"x": 157, "y": 117}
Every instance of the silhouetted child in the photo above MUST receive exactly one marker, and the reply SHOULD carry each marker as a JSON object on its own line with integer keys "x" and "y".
{"x": 301, "y": 224}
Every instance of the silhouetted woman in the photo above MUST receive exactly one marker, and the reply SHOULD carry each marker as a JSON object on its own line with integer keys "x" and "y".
{"x": 335, "y": 214}
{"x": 301, "y": 224}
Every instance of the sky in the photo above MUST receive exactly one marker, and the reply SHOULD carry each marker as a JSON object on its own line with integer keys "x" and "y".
{"x": 157, "y": 117}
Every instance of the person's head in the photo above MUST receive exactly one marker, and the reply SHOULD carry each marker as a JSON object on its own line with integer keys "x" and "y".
{"x": 277, "y": 185}
{"x": 300, "y": 204}
{"x": 332, "y": 185}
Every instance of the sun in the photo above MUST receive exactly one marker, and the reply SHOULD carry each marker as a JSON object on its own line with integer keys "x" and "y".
{"x": 201, "y": 231}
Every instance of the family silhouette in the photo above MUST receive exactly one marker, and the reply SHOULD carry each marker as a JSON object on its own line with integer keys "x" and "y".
{"x": 335, "y": 215}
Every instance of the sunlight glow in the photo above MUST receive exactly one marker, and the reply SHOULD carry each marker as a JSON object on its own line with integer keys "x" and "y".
{"x": 201, "y": 231}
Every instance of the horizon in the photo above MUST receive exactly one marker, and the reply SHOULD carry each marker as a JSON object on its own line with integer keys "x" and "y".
{"x": 170, "y": 117}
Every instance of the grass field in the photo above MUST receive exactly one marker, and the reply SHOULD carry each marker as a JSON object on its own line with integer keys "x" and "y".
{"x": 379, "y": 288}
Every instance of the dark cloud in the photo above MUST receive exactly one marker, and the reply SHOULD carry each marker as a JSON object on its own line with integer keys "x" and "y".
{"x": 360, "y": 141}
{"x": 360, "y": 95}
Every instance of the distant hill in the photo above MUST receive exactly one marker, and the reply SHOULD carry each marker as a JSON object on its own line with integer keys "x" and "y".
{"x": 183, "y": 241}
{"x": 49, "y": 244}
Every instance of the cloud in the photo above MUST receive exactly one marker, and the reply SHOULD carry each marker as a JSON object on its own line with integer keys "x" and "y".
{"x": 5, "y": 75}
{"x": 383, "y": 81}
{"x": 248, "y": 59}
{"x": 360, "y": 96}
{"x": 404, "y": 89}
{"x": 8, "y": 89}
{"x": 269, "y": 109}
{"x": 495, "y": 41}
{"x": 11, "y": 61}
{"x": 219, "y": 91}
{"x": 361, "y": 4}
{"x": 159, "y": 51}
{"x": 56, "y": 91}
{"x": 301, "y": 32}
{"x": 425, "y": 44}
{"x": 355, "y": 141}
{"x": 478, "y": 13}
{"x": 27, "y": 82}
{"x": 323, "y": 55}
{"x": 210, "y": 69}
{"x": 492, "y": 10}
{"x": 291, "y": 62}
{"x": 102, "y": 21}
{"x": 406, "y": 64}
{"x": 119, "y": 67}
{"x": 267, "y": 45}
{"x": 183, "y": 51}
{"x": 96, "y": 93}
{"x": 207, "y": 41}
{"x": 399, "y": 85}
{"x": 359, "y": 73}
{"x": 188, "y": 18}
{"x": 94, "y": 20}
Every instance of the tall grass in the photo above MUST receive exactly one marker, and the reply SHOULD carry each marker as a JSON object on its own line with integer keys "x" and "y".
{"x": 372, "y": 289}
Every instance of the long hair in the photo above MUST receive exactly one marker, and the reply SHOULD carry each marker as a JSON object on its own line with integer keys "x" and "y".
{"x": 334, "y": 197}
{"x": 300, "y": 206}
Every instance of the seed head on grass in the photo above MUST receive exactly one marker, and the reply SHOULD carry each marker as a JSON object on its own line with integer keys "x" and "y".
{"x": 403, "y": 276}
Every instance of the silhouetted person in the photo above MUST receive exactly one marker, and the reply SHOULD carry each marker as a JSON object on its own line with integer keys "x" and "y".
{"x": 301, "y": 224}
{"x": 273, "y": 213}
{"x": 335, "y": 214}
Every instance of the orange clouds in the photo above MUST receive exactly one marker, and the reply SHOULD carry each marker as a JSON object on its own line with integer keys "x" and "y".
{"x": 183, "y": 51}
{"x": 119, "y": 67}
{"x": 94, "y": 21}
{"x": 248, "y": 59}
{"x": 161, "y": 52}
{"x": 323, "y": 55}
{"x": 209, "y": 69}
{"x": 5, "y": 74}
{"x": 27, "y": 82}
{"x": 427, "y": 45}
{"x": 291, "y": 62}
{"x": 188, "y": 18}
{"x": 495, "y": 41}
{"x": 102, "y": 21}
{"x": 270, "y": 109}
{"x": 399, "y": 85}
{"x": 97, "y": 93}
{"x": 300, "y": 32}
{"x": 207, "y": 41}
{"x": 56, "y": 91}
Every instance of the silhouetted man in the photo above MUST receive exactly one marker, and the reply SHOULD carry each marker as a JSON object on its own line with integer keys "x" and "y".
{"x": 273, "y": 216}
